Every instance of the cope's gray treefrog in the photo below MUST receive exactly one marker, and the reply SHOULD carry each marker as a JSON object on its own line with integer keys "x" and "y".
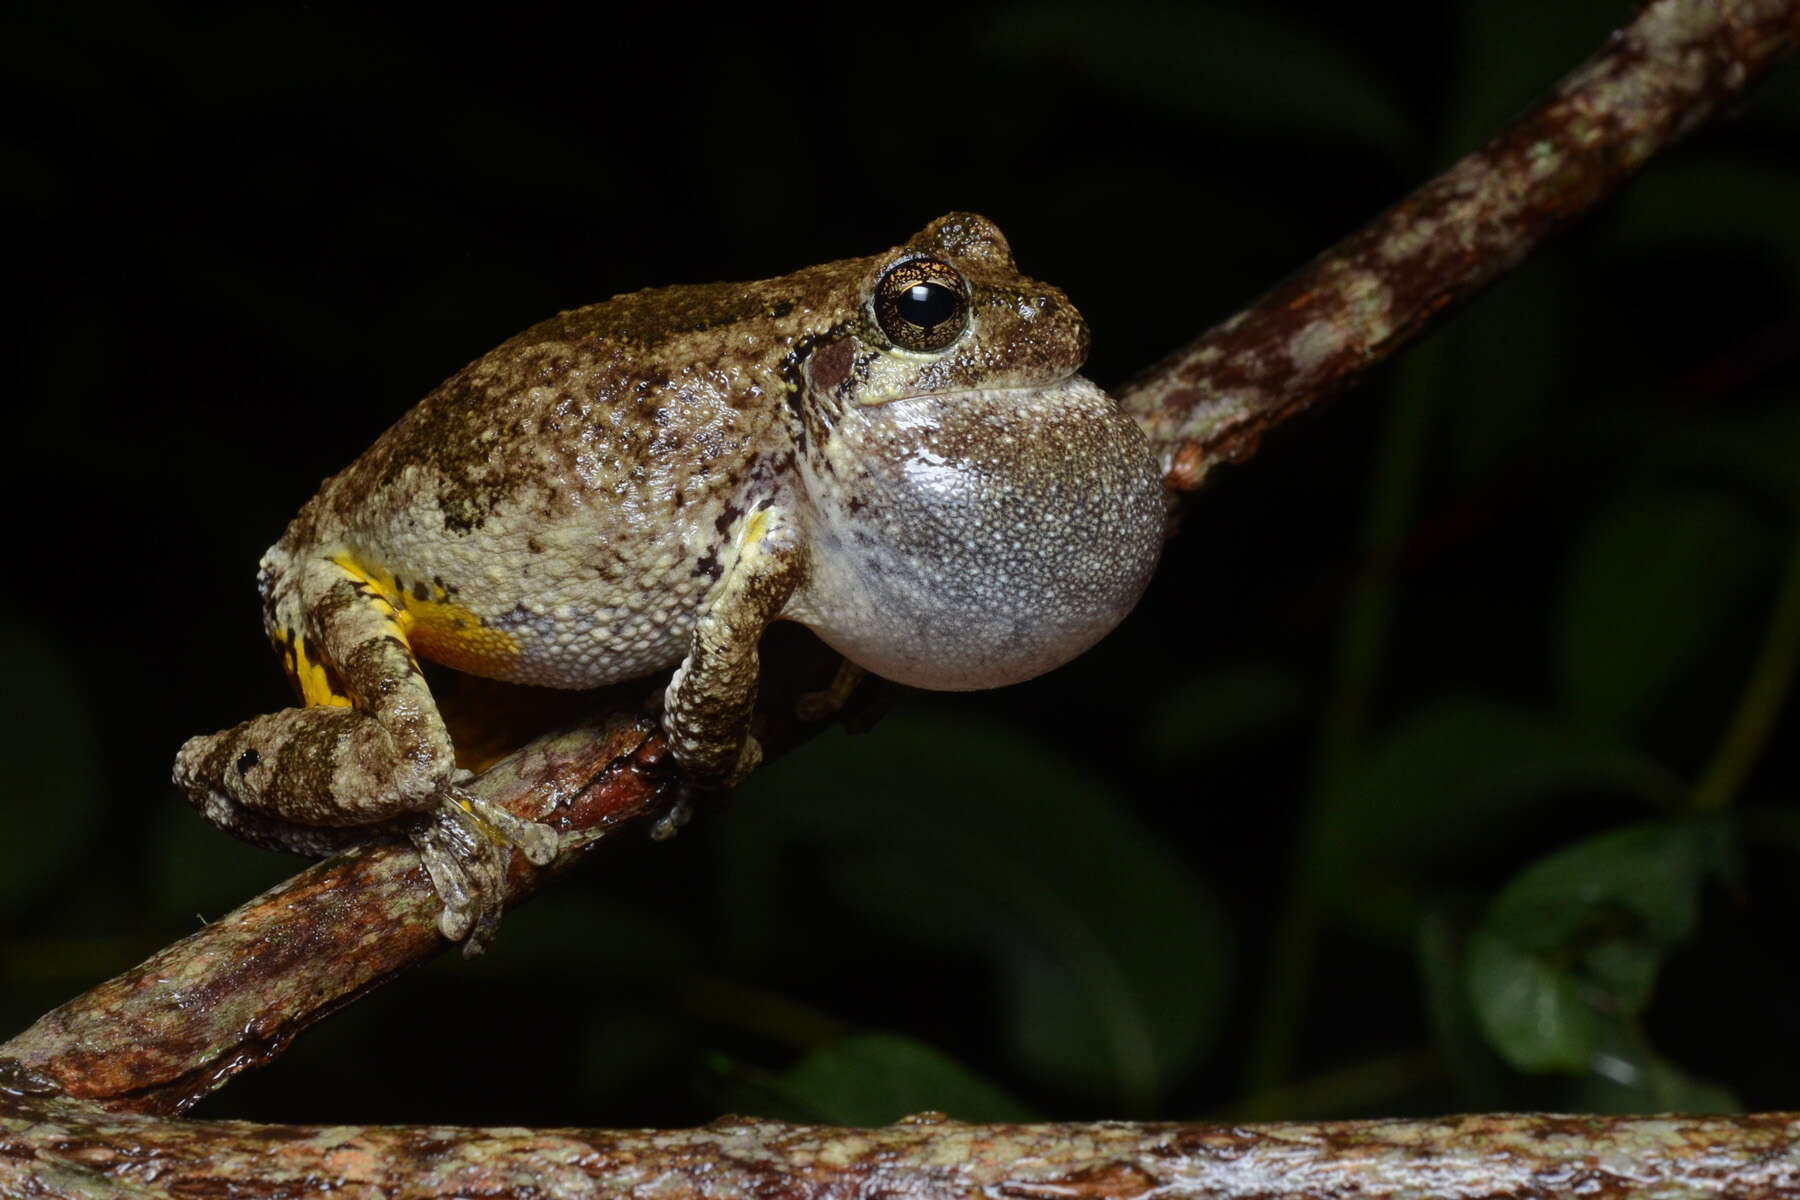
{"x": 895, "y": 451}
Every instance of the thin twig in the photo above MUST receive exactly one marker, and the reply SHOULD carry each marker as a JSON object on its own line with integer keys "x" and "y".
{"x": 234, "y": 994}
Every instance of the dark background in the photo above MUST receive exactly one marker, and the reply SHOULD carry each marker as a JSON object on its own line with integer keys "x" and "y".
{"x": 1408, "y": 788}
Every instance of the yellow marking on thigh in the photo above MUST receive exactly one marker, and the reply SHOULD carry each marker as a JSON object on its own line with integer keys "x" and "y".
{"x": 316, "y": 683}
{"x": 433, "y": 626}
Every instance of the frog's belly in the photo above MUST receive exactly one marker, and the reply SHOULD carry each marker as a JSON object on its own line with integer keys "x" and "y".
{"x": 564, "y": 647}
{"x": 534, "y": 615}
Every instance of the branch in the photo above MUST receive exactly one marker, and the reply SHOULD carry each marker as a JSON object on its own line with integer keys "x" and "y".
{"x": 231, "y": 996}
{"x": 72, "y": 1151}
{"x": 1655, "y": 80}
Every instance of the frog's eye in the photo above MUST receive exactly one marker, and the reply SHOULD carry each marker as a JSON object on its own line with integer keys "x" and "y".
{"x": 922, "y": 304}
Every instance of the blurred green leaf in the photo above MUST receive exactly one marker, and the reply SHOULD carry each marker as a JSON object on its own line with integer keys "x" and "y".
{"x": 1109, "y": 959}
{"x": 1572, "y": 945}
{"x": 1532, "y": 1013}
{"x": 1444, "y": 788}
{"x": 875, "y": 1079}
{"x": 1651, "y": 587}
{"x": 1640, "y": 883}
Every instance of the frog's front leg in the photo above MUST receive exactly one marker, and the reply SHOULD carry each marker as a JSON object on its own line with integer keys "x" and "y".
{"x": 370, "y": 748}
{"x": 708, "y": 704}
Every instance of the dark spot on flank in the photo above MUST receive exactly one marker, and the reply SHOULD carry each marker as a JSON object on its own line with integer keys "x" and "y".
{"x": 534, "y": 546}
{"x": 710, "y": 566}
{"x": 729, "y": 514}
{"x": 246, "y": 760}
{"x": 420, "y": 591}
{"x": 782, "y": 309}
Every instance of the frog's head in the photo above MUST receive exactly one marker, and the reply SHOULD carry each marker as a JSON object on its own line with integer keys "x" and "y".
{"x": 948, "y": 312}
{"x": 977, "y": 512}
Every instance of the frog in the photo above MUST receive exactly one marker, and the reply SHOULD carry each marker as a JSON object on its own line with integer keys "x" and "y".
{"x": 897, "y": 451}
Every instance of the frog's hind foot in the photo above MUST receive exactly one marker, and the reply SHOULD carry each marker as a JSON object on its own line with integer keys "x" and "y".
{"x": 829, "y": 700}
{"x": 465, "y": 846}
{"x": 535, "y": 840}
{"x": 676, "y": 816}
{"x": 467, "y": 871}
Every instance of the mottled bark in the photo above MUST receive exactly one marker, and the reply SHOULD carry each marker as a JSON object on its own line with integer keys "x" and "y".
{"x": 74, "y": 1087}
{"x": 56, "y": 1148}
{"x": 233, "y": 995}
{"x": 1656, "y": 79}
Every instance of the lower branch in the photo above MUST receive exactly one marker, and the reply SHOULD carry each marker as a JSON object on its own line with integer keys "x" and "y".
{"x": 74, "y": 1086}
{"x": 62, "y": 1149}
{"x": 231, "y": 996}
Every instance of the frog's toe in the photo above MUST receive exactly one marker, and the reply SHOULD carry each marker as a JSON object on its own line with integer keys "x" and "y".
{"x": 830, "y": 700}
{"x": 749, "y": 757}
{"x": 467, "y": 869}
{"x": 678, "y": 814}
{"x": 536, "y": 841}
{"x": 466, "y": 845}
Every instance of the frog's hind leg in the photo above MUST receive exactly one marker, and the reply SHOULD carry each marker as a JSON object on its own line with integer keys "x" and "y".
{"x": 369, "y": 748}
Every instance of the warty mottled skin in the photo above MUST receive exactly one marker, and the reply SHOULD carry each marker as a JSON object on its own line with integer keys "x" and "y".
{"x": 895, "y": 451}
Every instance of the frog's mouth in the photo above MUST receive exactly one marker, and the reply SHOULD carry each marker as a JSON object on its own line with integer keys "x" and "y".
{"x": 1063, "y": 385}
{"x": 858, "y": 373}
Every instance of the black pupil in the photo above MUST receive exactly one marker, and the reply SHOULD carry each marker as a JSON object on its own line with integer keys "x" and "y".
{"x": 927, "y": 304}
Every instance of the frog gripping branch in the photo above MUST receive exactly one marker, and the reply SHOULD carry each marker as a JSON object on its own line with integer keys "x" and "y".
{"x": 895, "y": 451}
{"x": 84, "y": 1092}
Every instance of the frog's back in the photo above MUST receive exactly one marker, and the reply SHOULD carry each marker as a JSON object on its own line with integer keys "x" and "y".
{"x": 554, "y": 512}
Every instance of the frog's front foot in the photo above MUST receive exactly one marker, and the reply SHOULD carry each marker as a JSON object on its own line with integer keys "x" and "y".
{"x": 675, "y": 817}
{"x": 465, "y": 846}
